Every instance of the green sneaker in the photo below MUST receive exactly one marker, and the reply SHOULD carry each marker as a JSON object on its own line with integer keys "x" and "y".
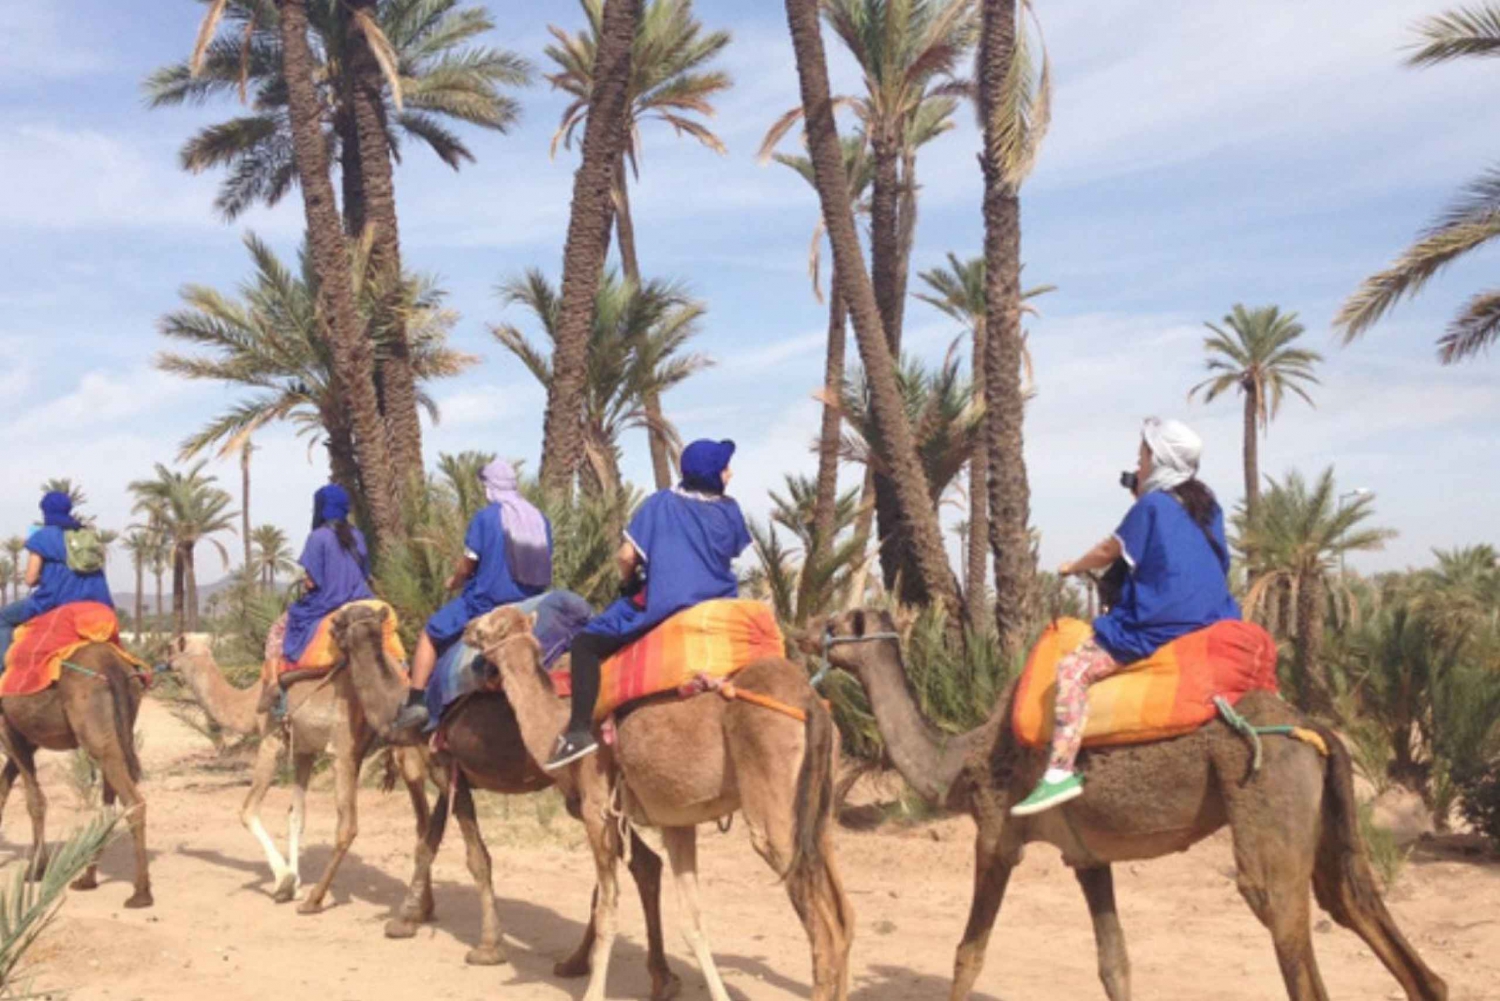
{"x": 1046, "y": 795}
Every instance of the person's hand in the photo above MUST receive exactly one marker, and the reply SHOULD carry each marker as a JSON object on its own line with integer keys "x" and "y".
{"x": 1066, "y": 569}
{"x": 453, "y": 583}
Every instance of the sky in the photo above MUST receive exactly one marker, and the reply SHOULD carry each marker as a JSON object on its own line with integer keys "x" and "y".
{"x": 1198, "y": 157}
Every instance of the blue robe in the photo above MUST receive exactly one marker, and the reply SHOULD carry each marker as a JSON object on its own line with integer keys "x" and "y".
{"x": 59, "y": 584}
{"x": 687, "y": 543}
{"x": 340, "y": 576}
{"x": 489, "y": 586}
{"x": 1178, "y": 581}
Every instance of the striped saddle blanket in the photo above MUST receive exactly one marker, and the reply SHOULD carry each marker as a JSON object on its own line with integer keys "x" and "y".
{"x": 322, "y": 653}
{"x": 42, "y": 646}
{"x": 1167, "y": 694}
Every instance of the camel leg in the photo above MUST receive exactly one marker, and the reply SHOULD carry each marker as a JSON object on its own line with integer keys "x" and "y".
{"x": 261, "y": 777}
{"x": 682, "y": 853}
{"x": 116, "y": 775}
{"x": 296, "y": 822}
{"x": 348, "y": 755}
{"x": 24, "y": 756}
{"x": 1114, "y": 963}
{"x": 603, "y": 836}
{"x": 645, "y": 868}
{"x": 491, "y": 949}
{"x": 7, "y": 780}
{"x": 992, "y": 869}
{"x": 412, "y": 765}
{"x": 417, "y": 907}
{"x": 89, "y": 880}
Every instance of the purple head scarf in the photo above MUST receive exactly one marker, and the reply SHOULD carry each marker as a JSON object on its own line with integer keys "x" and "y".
{"x": 526, "y": 549}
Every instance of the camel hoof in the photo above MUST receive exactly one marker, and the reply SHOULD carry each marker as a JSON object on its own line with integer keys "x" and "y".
{"x": 286, "y": 889}
{"x": 573, "y": 967}
{"x": 400, "y": 928}
{"x": 310, "y": 907}
{"x": 483, "y": 956}
{"x": 664, "y": 989}
{"x": 140, "y": 899}
{"x": 88, "y": 881}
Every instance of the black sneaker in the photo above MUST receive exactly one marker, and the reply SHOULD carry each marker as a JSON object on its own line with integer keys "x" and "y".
{"x": 569, "y": 748}
{"x": 413, "y": 716}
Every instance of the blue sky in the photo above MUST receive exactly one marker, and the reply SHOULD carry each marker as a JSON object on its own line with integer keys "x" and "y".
{"x": 1198, "y": 157}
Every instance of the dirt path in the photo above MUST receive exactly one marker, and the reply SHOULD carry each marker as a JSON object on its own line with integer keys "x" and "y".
{"x": 215, "y": 933}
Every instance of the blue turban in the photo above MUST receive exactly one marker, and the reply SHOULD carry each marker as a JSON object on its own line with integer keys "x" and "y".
{"x": 330, "y": 503}
{"x": 703, "y": 465}
{"x": 57, "y": 511}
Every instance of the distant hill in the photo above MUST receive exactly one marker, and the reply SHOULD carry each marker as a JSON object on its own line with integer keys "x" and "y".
{"x": 125, "y": 600}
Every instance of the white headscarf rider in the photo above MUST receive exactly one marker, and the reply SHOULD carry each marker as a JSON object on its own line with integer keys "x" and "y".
{"x": 1175, "y": 451}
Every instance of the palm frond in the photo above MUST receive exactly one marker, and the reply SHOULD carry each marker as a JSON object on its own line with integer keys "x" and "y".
{"x": 1457, "y": 34}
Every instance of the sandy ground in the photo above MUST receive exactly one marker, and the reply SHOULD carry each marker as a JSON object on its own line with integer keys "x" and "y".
{"x": 214, "y": 931}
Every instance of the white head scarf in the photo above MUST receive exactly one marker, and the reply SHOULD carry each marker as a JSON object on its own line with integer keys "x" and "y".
{"x": 1175, "y": 450}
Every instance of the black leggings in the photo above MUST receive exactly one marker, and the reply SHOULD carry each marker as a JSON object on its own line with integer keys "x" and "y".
{"x": 588, "y": 652}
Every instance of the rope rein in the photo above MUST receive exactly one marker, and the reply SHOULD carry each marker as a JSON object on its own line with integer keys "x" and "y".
{"x": 830, "y": 641}
{"x": 1253, "y": 733}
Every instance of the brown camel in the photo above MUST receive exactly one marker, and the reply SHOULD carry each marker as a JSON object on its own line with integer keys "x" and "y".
{"x": 92, "y": 706}
{"x": 481, "y": 748}
{"x": 320, "y": 711}
{"x": 676, "y": 763}
{"x": 1293, "y": 822}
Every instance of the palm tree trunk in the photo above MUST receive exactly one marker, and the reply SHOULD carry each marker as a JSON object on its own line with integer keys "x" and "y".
{"x": 190, "y": 585}
{"x": 885, "y": 235}
{"x": 157, "y": 572}
{"x": 245, "y": 451}
{"x": 352, "y": 354}
{"x": 351, "y": 174}
{"x": 1308, "y": 646}
{"x": 919, "y": 515}
{"x": 140, "y": 600}
{"x": 863, "y": 523}
{"x": 661, "y": 460}
{"x": 826, "y": 490}
{"x": 978, "y": 540}
{"x": 589, "y": 223}
{"x": 179, "y": 593}
{"x": 396, "y": 382}
{"x": 1252, "y": 451}
{"x": 1009, "y": 490}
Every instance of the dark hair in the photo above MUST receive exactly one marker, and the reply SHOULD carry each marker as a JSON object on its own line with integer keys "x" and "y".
{"x": 345, "y": 535}
{"x": 1198, "y": 501}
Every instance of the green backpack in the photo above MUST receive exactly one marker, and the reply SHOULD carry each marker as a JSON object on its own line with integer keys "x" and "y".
{"x": 85, "y": 551}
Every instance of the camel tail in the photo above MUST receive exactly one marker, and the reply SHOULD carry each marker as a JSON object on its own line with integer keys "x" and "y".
{"x": 1345, "y": 885}
{"x": 814, "y": 801}
{"x": 119, "y": 697}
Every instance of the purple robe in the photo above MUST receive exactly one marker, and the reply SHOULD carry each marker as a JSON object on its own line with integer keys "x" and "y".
{"x": 340, "y": 576}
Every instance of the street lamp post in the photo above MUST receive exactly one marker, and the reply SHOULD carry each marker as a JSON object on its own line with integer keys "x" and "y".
{"x": 1357, "y": 492}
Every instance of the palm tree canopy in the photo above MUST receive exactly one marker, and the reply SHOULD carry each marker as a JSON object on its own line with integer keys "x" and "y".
{"x": 442, "y": 74}
{"x": 273, "y": 339}
{"x": 669, "y": 76}
{"x": 1255, "y": 354}
{"x": 1457, "y": 34}
{"x": 272, "y": 551}
{"x": 187, "y": 506}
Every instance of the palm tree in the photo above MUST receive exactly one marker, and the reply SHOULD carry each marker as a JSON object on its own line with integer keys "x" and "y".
{"x": 1469, "y": 222}
{"x": 7, "y": 573}
{"x": 1299, "y": 535}
{"x": 140, "y": 546}
{"x": 1255, "y": 355}
{"x": 811, "y": 586}
{"x": 273, "y": 340}
{"x": 589, "y": 219}
{"x": 65, "y": 485}
{"x": 443, "y": 77}
{"x": 635, "y": 348}
{"x": 669, "y": 82}
{"x": 161, "y": 556}
{"x": 958, "y": 291}
{"x": 189, "y": 509}
{"x": 919, "y": 518}
{"x": 273, "y": 555}
{"x": 461, "y": 473}
{"x": 1014, "y": 100}
{"x": 15, "y": 547}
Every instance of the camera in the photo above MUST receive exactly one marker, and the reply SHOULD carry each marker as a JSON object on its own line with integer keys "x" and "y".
{"x": 1129, "y": 481}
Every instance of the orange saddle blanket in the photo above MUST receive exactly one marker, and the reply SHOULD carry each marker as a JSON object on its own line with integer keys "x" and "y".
{"x": 322, "y": 653}
{"x": 1167, "y": 694}
{"x": 714, "y": 639}
{"x": 42, "y": 646}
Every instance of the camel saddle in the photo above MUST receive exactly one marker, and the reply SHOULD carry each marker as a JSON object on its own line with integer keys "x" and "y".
{"x": 1168, "y": 694}
{"x": 322, "y": 654}
{"x": 42, "y": 646}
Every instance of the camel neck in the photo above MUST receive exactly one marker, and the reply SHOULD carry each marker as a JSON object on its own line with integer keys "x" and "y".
{"x": 927, "y": 759}
{"x": 231, "y": 708}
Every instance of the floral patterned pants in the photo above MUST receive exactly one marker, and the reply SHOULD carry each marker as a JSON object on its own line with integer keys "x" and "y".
{"x": 1075, "y": 673}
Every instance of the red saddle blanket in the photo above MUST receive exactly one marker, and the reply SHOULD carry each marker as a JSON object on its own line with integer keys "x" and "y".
{"x": 1167, "y": 694}
{"x": 42, "y": 646}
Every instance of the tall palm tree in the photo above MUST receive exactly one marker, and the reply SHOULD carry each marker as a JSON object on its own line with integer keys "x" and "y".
{"x": 958, "y": 291}
{"x": 14, "y": 547}
{"x": 139, "y": 545}
{"x": 1469, "y": 222}
{"x": 1014, "y": 99}
{"x": 352, "y": 353}
{"x": 635, "y": 348}
{"x": 273, "y": 339}
{"x": 65, "y": 485}
{"x": 669, "y": 82}
{"x": 919, "y": 518}
{"x": 273, "y": 556}
{"x": 589, "y": 219}
{"x": 443, "y": 77}
{"x": 189, "y": 509}
{"x": 1255, "y": 356}
{"x": 460, "y": 473}
{"x": 7, "y": 573}
{"x": 1299, "y": 535}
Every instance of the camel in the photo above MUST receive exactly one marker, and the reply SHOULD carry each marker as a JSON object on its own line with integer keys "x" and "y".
{"x": 93, "y": 705}
{"x": 679, "y": 762}
{"x": 321, "y": 710}
{"x": 1293, "y": 822}
{"x": 481, "y": 748}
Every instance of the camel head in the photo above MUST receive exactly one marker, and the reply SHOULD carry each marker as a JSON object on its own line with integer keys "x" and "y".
{"x": 186, "y": 650}
{"x": 848, "y": 640}
{"x": 495, "y": 629}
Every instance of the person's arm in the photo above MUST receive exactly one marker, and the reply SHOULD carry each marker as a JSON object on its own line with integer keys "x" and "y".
{"x": 627, "y": 559}
{"x": 1098, "y": 558}
{"x": 33, "y": 570}
{"x": 462, "y": 571}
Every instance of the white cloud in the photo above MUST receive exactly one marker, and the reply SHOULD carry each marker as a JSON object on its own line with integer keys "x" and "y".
{"x": 39, "y": 41}
{"x": 489, "y": 403}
